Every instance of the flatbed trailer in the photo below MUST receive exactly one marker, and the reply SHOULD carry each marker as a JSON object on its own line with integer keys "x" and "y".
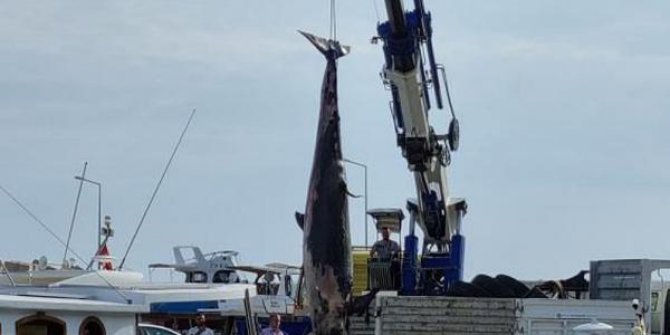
{"x": 613, "y": 286}
{"x": 475, "y": 316}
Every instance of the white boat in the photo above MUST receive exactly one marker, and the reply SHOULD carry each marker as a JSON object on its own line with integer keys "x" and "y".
{"x": 111, "y": 300}
{"x": 40, "y": 272}
{"x": 214, "y": 267}
{"x": 214, "y": 283}
{"x": 274, "y": 288}
{"x": 277, "y": 291}
{"x": 34, "y": 274}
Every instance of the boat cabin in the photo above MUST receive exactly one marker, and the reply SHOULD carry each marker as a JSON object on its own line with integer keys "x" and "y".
{"x": 61, "y": 315}
{"x": 211, "y": 268}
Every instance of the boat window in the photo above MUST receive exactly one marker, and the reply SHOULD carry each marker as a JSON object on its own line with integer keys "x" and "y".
{"x": 654, "y": 301}
{"x": 288, "y": 285}
{"x": 40, "y": 324}
{"x": 225, "y": 276}
{"x": 267, "y": 284}
{"x": 92, "y": 326}
{"x": 154, "y": 331}
{"x": 197, "y": 277}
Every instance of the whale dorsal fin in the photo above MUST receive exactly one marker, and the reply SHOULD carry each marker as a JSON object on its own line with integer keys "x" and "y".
{"x": 300, "y": 219}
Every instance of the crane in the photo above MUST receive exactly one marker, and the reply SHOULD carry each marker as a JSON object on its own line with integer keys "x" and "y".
{"x": 410, "y": 73}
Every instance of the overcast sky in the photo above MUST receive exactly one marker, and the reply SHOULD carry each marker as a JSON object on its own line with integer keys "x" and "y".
{"x": 563, "y": 106}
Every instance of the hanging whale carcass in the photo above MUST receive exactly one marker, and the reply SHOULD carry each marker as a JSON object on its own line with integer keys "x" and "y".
{"x": 326, "y": 239}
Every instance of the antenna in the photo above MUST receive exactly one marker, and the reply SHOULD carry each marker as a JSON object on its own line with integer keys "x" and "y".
{"x": 74, "y": 213}
{"x": 158, "y": 185}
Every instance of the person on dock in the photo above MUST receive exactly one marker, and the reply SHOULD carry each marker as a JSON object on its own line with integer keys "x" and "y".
{"x": 273, "y": 328}
{"x": 387, "y": 251}
{"x": 385, "y": 248}
{"x": 200, "y": 327}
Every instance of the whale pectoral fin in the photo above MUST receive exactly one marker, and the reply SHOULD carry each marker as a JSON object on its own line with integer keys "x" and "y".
{"x": 344, "y": 187}
{"x": 355, "y": 196}
{"x": 300, "y": 219}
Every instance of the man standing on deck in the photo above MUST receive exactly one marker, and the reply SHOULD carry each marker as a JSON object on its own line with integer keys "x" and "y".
{"x": 273, "y": 329}
{"x": 200, "y": 327}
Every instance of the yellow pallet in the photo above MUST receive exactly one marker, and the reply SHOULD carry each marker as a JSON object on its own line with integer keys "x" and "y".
{"x": 360, "y": 283}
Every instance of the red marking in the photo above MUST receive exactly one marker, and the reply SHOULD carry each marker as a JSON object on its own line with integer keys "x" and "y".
{"x": 105, "y": 264}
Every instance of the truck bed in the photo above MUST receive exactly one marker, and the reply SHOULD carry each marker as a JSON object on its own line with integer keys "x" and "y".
{"x": 472, "y": 316}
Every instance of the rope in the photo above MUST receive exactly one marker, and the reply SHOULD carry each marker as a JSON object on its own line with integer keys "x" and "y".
{"x": 333, "y": 21}
{"x": 41, "y": 223}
